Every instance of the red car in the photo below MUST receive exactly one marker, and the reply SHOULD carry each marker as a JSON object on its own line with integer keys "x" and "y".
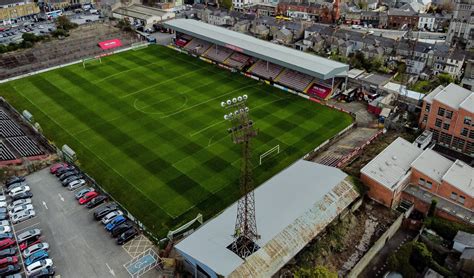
{"x": 57, "y": 166}
{"x": 8, "y": 261}
{"x": 6, "y": 243}
{"x": 25, "y": 244}
{"x": 89, "y": 196}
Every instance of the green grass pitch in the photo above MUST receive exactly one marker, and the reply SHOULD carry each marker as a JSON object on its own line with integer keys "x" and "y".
{"x": 148, "y": 126}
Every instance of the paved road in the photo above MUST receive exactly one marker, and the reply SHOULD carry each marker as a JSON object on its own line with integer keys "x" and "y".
{"x": 394, "y": 34}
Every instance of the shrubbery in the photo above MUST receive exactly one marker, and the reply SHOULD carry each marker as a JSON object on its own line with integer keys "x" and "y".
{"x": 446, "y": 229}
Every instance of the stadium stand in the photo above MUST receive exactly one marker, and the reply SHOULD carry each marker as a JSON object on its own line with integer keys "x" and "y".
{"x": 319, "y": 90}
{"x": 260, "y": 69}
{"x": 13, "y": 141}
{"x": 24, "y": 146}
{"x": 237, "y": 60}
{"x": 198, "y": 46}
{"x": 218, "y": 53}
{"x": 294, "y": 79}
{"x": 5, "y": 153}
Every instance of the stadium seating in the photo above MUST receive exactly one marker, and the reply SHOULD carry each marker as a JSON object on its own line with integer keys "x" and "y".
{"x": 13, "y": 141}
{"x": 294, "y": 79}
{"x": 237, "y": 60}
{"x": 198, "y": 46}
{"x": 319, "y": 90}
{"x": 260, "y": 69}
{"x": 218, "y": 53}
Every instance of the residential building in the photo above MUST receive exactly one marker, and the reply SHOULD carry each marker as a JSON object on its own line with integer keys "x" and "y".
{"x": 468, "y": 80}
{"x": 448, "y": 112}
{"x": 447, "y": 60}
{"x": 463, "y": 240}
{"x": 426, "y": 22}
{"x": 462, "y": 24}
{"x": 370, "y": 18}
{"x": 12, "y": 11}
{"x": 142, "y": 15}
{"x": 402, "y": 171}
{"x": 398, "y": 18}
{"x": 466, "y": 262}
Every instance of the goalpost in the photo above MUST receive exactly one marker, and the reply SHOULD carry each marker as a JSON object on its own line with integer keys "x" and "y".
{"x": 269, "y": 152}
{"x": 91, "y": 60}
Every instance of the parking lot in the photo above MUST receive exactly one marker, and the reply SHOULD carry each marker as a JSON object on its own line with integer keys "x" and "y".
{"x": 79, "y": 245}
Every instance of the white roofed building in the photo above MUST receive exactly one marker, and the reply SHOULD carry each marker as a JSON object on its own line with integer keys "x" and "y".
{"x": 292, "y": 208}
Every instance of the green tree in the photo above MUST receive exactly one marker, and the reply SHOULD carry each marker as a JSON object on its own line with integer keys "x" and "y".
{"x": 124, "y": 25}
{"x": 226, "y": 4}
{"x": 444, "y": 79}
{"x": 63, "y": 22}
{"x": 432, "y": 209}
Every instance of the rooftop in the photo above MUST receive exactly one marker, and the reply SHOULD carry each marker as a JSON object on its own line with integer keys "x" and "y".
{"x": 453, "y": 96}
{"x": 468, "y": 254}
{"x": 317, "y": 196}
{"x": 461, "y": 176}
{"x": 140, "y": 11}
{"x": 389, "y": 166}
{"x": 464, "y": 238}
{"x": 313, "y": 65}
{"x": 432, "y": 164}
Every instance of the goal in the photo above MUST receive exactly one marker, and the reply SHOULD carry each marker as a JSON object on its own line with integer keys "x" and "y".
{"x": 269, "y": 152}
{"x": 139, "y": 45}
{"x": 91, "y": 60}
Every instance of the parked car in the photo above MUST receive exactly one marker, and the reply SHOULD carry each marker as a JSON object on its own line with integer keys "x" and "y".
{"x": 20, "y": 208}
{"x": 14, "y": 179}
{"x": 96, "y": 201}
{"x": 35, "y": 248}
{"x": 9, "y": 270}
{"x": 53, "y": 169}
{"x": 6, "y": 243}
{"x": 68, "y": 174}
{"x": 87, "y": 197}
{"x": 19, "y": 190}
{"x": 43, "y": 273}
{"x": 3, "y": 210}
{"x": 110, "y": 216}
{"x": 5, "y": 229}
{"x": 36, "y": 256}
{"x": 63, "y": 170}
{"x": 6, "y": 235}
{"x": 82, "y": 192}
{"x": 19, "y": 203}
{"x": 114, "y": 222}
{"x": 38, "y": 266}
{"x": 103, "y": 211}
{"x": 28, "y": 243}
{"x": 7, "y": 252}
{"x": 127, "y": 235}
{"x": 33, "y": 233}
{"x": 71, "y": 179}
{"x": 76, "y": 184}
{"x": 3, "y": 204}
{"x": 8, "y": 261}
{"x": 119, "y": 229}
{"x": 16, "y": 185}
{"x": 3, "y": 198}
{"x": 3, "y": 216}
{"x": 25, "y": 195}
{"x": 23, "y": 215}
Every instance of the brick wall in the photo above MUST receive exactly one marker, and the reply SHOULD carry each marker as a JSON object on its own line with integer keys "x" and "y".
{"x": 377, "y": 191}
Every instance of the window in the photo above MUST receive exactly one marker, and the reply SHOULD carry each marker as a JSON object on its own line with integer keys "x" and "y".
{"x": 438, "y": 123}
{"x": 427, "y": 107}
{"x": 464, "y": 132}
{"x": 425, "y": 118}
{"x": 462, "y": 199}
{"x": 467, "y": 120}
{"x": 429, "y": 184}
{"x": 449, "y": 114}
{"x": 421, "y": 181}
{"x": 458, "y": 143}
{"x": 446, "y": 126}
{"x": 445, "y": 139}
{"x": 454, "y": 196}
{"x": 441, "y": 111}
{"x": 471, "y": 134}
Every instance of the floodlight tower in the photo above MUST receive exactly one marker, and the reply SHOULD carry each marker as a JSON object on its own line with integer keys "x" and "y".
{"x": 242, "y": 131}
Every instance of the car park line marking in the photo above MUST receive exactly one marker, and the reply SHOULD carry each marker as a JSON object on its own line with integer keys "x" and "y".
{"x": 18, "y": 247}
{"x": 44, "y": 204}
{"x": 110, "y": 269}
{"x": 61, "y": 197}
{"x": 27, "y": 227}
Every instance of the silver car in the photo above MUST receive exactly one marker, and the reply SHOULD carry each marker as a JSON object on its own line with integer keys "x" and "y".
{"x": 22, "y": 216}
{"x": 35, "y": 248}
{"x": 76, "y": 184}
{"x": 18, "y": 190}
{"x": 19, "y": 208}
{"x": 111, "y": 216}
{"x": 19, "y": 203}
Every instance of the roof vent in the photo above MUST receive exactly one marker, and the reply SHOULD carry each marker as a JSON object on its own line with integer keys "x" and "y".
{"x": 394, "y": 157}
{"x": 380, "y": 168}
{"x": 388, "y": 163}
{"x": 459, "y": 163}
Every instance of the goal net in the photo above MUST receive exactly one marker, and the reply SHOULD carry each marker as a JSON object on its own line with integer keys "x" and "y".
{"x": 91, "y": 60}
{"x": 268, "y": 153}
{"x": 139, "y": 45}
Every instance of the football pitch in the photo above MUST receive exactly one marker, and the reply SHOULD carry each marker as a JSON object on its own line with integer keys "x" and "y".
{"x": 147, "y": 125}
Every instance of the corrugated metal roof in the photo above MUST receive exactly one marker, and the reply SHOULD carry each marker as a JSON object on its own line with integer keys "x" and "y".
{"x": 313, "y": 65}
{"x": 291, "y": 209}
{"x": 389, "y": 166}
